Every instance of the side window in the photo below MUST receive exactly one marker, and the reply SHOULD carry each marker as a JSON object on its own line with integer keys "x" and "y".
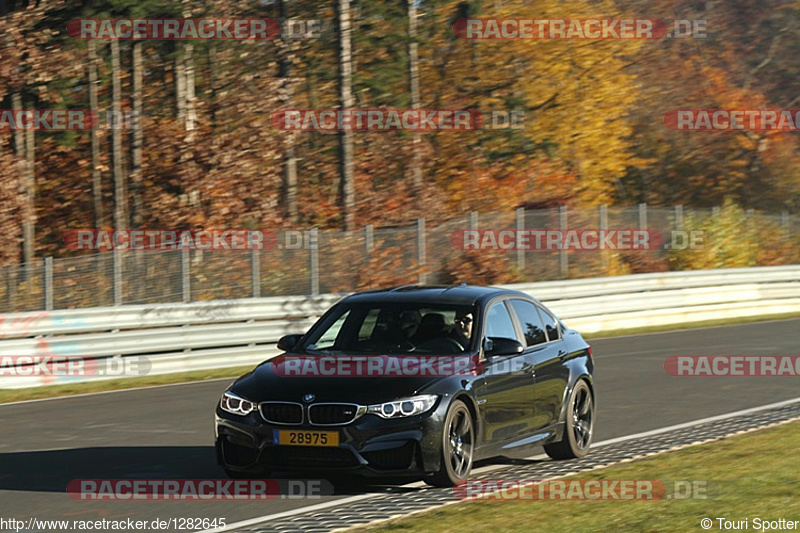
{"x": 531, "y": 322}
{"x": 368, "y": 326}
{"x": 550, "y": 325}
{"x": 498, "y": 322}
{"x": 328, "y": 339}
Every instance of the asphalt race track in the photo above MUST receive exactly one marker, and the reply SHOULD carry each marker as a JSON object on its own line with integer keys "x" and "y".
{"x": 167, "y": 432}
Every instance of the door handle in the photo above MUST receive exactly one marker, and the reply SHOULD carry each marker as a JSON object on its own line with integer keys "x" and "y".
{"x": 562, "y": 353}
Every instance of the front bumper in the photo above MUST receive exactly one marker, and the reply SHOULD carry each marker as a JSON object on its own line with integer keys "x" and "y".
{"x": 368, "y": 446}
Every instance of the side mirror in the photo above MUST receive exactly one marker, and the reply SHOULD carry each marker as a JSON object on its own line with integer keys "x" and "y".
{"x": 288, "y": 342}
{"x": 502, "y": 346}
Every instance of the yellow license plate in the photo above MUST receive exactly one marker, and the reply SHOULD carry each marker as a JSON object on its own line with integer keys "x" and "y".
{"x": 305, "y": 438}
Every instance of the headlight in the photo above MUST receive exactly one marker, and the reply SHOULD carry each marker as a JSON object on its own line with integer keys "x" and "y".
{"x": 405, "y": 407}
{"x": 236, "y": 405}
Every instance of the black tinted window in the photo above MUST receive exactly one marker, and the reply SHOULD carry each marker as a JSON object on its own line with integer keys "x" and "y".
{"x": 550, "y": 325}
{"x": 392, "y": 328}
{"x": 499, "y": 324}
{"x": 531, "y": 323}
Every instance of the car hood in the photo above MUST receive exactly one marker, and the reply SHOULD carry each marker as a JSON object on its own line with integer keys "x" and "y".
{"x": 268, "y": 382}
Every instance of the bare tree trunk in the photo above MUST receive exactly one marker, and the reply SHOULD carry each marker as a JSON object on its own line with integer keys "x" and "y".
{"x": 415, "y": 166}
{"x": 346, "y": 185}
{"x": 19, "y": 142}
{"x": 29, "y": 212}
{"x": 180, "y": 84}
{"x": 19, "y": 147}
{"x": 286, "y": 55}
{"x": 137, "y": 125}
{"x": 120, "y": 189}
{"x": 212, "y": 90}
{"x": 137, "y": 210}
{"x": 24, "y": 145}
{"x": 191, "y": 111}
{"x": 97, "y": 177}
{"x": 186, "y": 92}
{"x": 97, "y": 174}
{"x": 188, "y": 59}
{"x": 214, "y": 83}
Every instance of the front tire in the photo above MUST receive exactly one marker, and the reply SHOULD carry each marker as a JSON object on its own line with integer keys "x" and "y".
{"x": 578, "y": 428}
{"x": 458, "y": 446}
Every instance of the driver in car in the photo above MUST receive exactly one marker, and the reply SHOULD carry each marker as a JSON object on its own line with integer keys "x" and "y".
{"x": 409, "y": 322}
{"x": 462, "y": 332}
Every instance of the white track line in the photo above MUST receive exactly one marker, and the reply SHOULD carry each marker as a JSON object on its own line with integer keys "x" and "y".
{"x": 697, "y": 422}
{"x": 351, "y": 499}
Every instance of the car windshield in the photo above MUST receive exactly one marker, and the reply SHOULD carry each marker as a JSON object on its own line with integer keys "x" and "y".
{"x": 393, "y": 328}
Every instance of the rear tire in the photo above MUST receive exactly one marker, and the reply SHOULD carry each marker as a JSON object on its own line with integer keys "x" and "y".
{"x": 578, "y": 428}
{"x": 458, "y": 446}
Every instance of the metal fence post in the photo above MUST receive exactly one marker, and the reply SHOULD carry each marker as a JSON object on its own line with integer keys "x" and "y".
{"x": 313, "y": 255}
{"x": 48, "y": 283}
{"x": 749, "y": 218}
{"x": 520, "y": 229}
{"x": 369, "y": 238}
{"x": 642, "y": 216}
{"x": 421, "y": 251}
{"x": 255, "y": 271}
{"x": 603, "y": 217}
{"x": 117, "y": 282}
{"x": 603, "y": 223}
{"x": 563, "y": 258}
{"x": 678, "y": 217}
{"x": 186, "y": 282}
{"x": 472, "y": 223}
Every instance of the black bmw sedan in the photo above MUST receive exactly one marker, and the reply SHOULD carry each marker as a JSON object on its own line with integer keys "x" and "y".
{"x": 414, "y": 380}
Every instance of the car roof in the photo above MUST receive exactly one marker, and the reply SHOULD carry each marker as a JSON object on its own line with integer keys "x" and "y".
{"x": 434, "y": 294}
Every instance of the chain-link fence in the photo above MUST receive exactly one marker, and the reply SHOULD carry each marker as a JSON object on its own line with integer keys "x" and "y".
{"x": 322, "y": 261}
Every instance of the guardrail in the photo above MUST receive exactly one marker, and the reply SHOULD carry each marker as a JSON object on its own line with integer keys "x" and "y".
{"x": 218, "y": 334}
